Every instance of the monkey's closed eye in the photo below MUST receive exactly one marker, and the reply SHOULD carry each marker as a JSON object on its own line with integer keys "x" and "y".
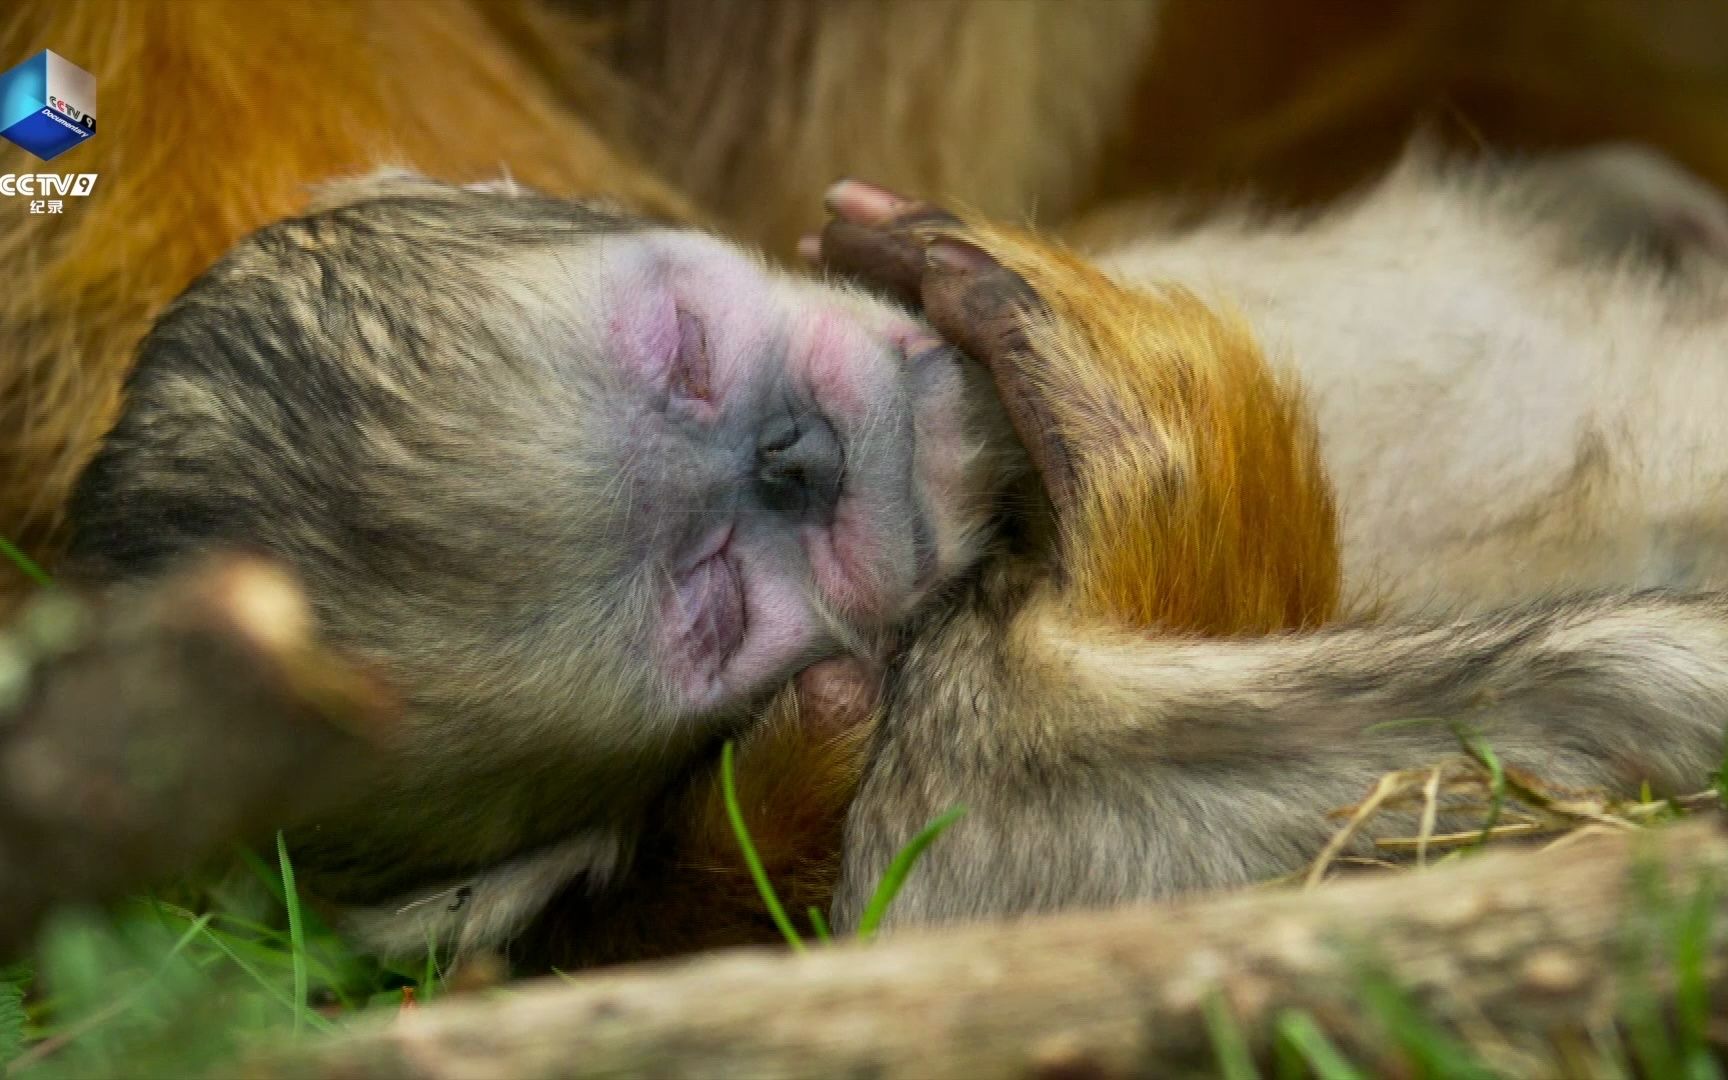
{"x": 690, "y": 368}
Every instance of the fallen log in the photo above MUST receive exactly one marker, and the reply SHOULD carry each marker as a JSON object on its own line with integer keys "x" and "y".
{"x": 1526, "y": 955}
{"x": 140, "y": 736}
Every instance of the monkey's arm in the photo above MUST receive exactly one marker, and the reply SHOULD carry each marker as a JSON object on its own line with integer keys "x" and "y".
{"x": 1185, "y": 475}
{"x": 1099, "y": 766}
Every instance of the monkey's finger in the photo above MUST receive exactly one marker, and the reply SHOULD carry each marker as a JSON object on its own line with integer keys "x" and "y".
{"x": 985, "y": 308}
{"x": 887, "y": 257}
{"x": 863, "y": 203}
{"x": 878, "y": 237}
{"x": 891, "y": 262}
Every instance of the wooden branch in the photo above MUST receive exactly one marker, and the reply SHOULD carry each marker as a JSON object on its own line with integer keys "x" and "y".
{"x": 1521, "y": 950}
{"x": 141, "y": 734}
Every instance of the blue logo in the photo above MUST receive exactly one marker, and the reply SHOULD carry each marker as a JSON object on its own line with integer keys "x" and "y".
{"x": 47, "y": 105}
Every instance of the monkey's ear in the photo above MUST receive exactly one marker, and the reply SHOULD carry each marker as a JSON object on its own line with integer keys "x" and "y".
{"x": 390, "y": 180}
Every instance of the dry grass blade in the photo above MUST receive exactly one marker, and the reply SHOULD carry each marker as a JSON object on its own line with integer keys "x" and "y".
{"x": 1430, "y": 811}
{"x": 1389, "y": 785}
{"x": 1573, "y": 836}
{"x": 1457, "y": 839}
{"x": 1462, "y": 788}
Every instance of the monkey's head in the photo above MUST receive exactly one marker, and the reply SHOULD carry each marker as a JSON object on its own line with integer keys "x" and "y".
{"x": 586, "y": 486}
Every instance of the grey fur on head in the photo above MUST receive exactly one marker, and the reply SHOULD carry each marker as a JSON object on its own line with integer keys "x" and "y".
{"x": 362, "y": 393}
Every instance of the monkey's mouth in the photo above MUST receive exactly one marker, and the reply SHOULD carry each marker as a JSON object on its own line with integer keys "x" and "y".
{"x": 847, "y": 562}
{"x": 873, "y": 566}
{"x": 712, "y": 613}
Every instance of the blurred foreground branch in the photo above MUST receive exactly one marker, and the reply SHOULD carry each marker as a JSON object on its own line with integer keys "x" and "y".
{"x": 141, "y": 734}
{"x": 1527, "y": 954}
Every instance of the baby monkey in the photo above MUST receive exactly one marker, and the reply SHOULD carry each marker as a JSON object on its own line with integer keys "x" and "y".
{"x": 590, "y": 491}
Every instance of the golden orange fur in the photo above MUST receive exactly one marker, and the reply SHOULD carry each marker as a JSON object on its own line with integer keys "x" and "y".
{"x": 1203, "y": 505}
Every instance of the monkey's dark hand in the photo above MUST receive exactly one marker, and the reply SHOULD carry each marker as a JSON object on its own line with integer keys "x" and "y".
{"x": 1143, "y": 412}
{"x": 918, "y": 253}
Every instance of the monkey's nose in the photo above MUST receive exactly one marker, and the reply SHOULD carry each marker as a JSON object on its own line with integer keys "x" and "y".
{"x": 799, "y": 466}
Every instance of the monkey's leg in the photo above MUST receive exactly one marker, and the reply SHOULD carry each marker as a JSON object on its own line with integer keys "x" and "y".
{"x": 489, "y": 908}
{"x": 1100, "y": 767}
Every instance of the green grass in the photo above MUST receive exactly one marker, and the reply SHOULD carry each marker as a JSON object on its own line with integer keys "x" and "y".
{"x": 1479, "y": 749}
{"x": 1676, "y": 928}
{"x": 886, "y": 890}
{"x": 1425, "y": 1045}
{"x": 1303, "y": 1049}
{"x": 895, "y": 876}
{"x": 296, "y": 931}
{"x": 1664, "y": 1037}
{"x": 735, "y": 814}
{"x": 1235, "y": 1059}
{"x": 819, "y": 923}
{"x": 25, "y": 564}
{"x": 161, "y": 988}
{"x": 156, "y": 988}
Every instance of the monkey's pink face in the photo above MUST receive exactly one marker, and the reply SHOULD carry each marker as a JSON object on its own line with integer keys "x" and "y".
{"x": 802, "y": 463}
